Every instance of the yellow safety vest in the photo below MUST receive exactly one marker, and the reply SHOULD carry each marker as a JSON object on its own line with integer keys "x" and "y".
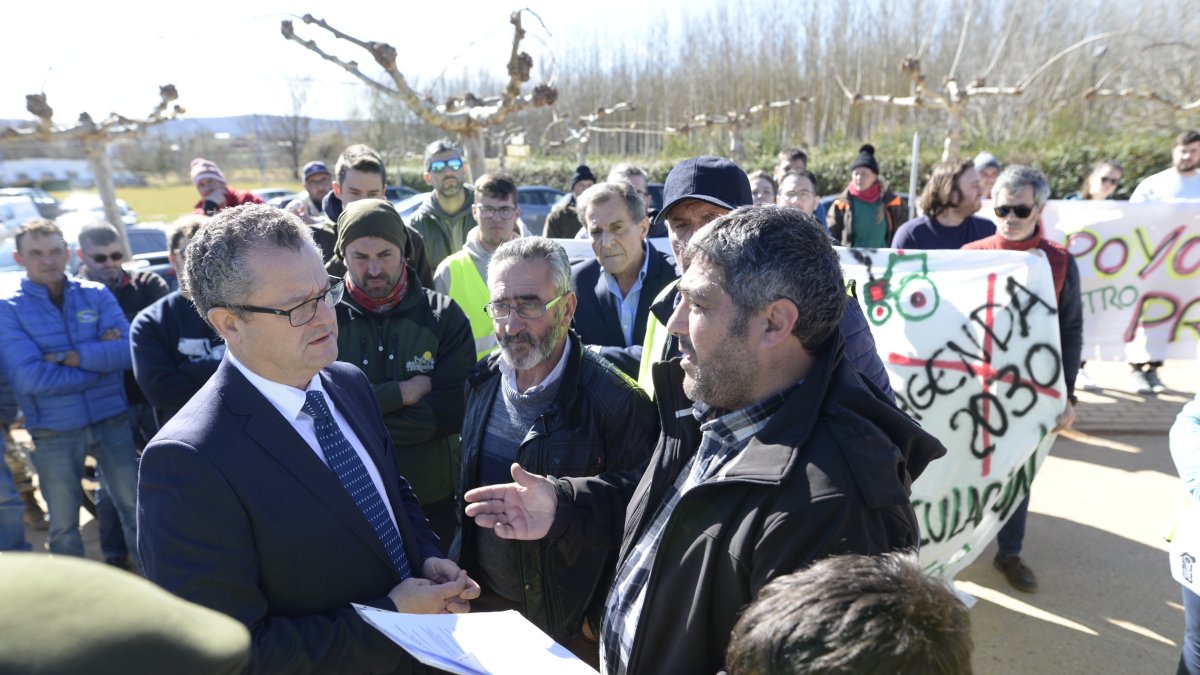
{"x": 470, "y": 291}
{"x": 655, "y": 343}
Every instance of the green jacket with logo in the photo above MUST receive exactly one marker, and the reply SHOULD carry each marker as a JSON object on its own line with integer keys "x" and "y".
{"x": 426, "y": 334}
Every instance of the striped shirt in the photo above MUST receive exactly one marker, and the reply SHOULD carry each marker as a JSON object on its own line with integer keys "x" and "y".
{"x": 723, "y": 439}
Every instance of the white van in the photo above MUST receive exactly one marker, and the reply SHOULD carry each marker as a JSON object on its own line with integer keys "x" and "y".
{"x": 14, "y": 211}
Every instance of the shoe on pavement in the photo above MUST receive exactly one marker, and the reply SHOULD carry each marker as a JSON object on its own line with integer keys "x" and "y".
{"x": 1016, "y": 572}
{"x": 35, "y": 517}
{"x": 1084, "y": 382}
{"x": 1156, "y": 384}
{"x": 1140, "y": 382}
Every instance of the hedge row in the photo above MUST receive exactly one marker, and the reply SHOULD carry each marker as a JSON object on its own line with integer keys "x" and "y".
{"x": 1065, "y": 164}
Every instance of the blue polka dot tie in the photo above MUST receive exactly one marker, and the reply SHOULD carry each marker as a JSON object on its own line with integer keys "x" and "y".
{"x": 345, "y": 462}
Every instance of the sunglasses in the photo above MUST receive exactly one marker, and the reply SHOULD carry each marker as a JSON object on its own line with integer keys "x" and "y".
{"x": 441, "y": 165}
{"x": 1110, "y": 181}
{"x": 102, "y": 258}
{"x": 1020, "y": 211}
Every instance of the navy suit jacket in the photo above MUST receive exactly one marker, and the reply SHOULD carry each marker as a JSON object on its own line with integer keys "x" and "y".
{"x": 237, "y": 513}
{"x": 596, "y": 319}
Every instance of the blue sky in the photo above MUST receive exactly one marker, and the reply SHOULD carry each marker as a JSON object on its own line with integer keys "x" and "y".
{"x": 228, "y": 58}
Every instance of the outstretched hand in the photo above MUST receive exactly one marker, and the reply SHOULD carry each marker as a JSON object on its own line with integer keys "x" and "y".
{"x": 521, "y": 510}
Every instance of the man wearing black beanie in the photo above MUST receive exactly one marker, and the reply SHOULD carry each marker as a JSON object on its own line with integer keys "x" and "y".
{"x": 563, "y": 221}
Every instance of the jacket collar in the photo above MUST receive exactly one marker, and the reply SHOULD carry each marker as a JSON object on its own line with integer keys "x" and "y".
{"x": 568, "y": 389}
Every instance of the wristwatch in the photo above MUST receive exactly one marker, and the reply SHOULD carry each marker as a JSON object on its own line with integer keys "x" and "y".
{"x": 60, "y": 357}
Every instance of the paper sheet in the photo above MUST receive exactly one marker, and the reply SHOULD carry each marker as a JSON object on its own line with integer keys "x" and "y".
{"x": 496, "y": 643}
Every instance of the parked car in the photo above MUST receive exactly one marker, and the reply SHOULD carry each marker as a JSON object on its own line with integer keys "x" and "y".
{"x": 85, "y": 208}
{"x": 267, "y": 194}
{"x": 407, "y": 207}
{"x": 398, "y": 193}
{"x": 15, "y": 210}
{"x": 47, "y": 204}
{"x": 656, "y": 195}
{"x": 535, "y": 202}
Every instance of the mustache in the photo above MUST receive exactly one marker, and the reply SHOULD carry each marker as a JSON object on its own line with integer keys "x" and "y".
{"x": 685, "y": 345}
{"x": 523, "y": 336}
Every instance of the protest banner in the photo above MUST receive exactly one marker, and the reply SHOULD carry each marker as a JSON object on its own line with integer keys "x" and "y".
{"x": 1139, "y": 269}
{"x": 970, "y": 340}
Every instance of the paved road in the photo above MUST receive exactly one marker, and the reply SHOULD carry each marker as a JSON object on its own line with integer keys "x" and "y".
{"x": 1100, "y": 506}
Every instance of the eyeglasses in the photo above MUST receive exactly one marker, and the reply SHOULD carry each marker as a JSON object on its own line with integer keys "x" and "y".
{"x": 526, "y": 309}
{"x": 441, "y": 165}
{"x": 1020, "y": 211}
{"x": 303, "y": 312}
{"x": 503, "y": 213}
{"x": 802, "y": 194}
{"x": 102, "y": 258}
{"x": 1110, "y": 181}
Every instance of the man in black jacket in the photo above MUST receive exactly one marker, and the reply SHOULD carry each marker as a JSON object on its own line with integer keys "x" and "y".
{"x": 546, "y": 402}
{"x": 786, "y": 456}
{"x": 102, "y": 259}
{"x": 616, "y": 288}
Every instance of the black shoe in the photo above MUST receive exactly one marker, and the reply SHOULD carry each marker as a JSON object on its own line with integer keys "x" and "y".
{"x": 1156, "y": 385}
{"x": 1017, "y": 572}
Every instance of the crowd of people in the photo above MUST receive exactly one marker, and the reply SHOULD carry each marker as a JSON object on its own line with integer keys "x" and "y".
{"x": 644, "y": 454}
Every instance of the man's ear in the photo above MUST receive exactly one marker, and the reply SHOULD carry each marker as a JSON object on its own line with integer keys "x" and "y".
{"x": 337, "y": 190}
{"x": 644, "y": 226}
{"x": 570, "y": 302}
{"x": 780, "y": 317}
{"x": 428, "y": 178}
{"x": 224, "y": 321}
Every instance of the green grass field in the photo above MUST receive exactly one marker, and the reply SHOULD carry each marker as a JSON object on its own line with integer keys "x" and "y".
{"x": 165, "y": 203}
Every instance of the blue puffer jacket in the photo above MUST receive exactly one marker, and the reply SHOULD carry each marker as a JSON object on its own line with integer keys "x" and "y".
{"x": 57, "y": 397}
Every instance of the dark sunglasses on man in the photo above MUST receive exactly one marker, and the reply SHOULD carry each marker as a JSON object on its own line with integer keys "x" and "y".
{"x": 441, "y": 165}
{"x": 102, "y": 258}
{"x": 1020, "y": 210}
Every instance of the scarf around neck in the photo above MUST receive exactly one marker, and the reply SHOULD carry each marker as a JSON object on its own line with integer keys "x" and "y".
{"x": 380, "y": 305}
{"x": 870, "y": 195}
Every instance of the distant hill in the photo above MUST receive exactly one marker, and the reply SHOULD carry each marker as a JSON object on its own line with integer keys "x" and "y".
{"x": 234, "y": 126}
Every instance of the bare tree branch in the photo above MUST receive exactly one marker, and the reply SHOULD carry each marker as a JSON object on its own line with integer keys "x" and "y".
{"x": 468, "y": 115}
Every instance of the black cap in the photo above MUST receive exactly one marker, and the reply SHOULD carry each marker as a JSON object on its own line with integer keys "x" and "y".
{"x": 715, "y": 180}
{"x": 582, "y": 172}
{"x": 866, "y": 159}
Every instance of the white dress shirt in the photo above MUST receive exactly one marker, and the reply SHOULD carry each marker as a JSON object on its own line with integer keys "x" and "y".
{"x": 289, "y": 400}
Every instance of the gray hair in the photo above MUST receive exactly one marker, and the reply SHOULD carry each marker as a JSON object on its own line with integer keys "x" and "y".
{"x": 625, "y": 171}
{"x": 217, "y": 270}
{"x": 439, "y": 146}
{"x": 1017, "y": 176}
{"x": 98, "y": 234}
{"x": 603, "y": 192}
{"x": 767, "y": 253}
{"x": 535, "y": 248}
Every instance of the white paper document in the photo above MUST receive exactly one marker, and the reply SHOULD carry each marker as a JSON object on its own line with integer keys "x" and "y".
{"x": 483, "y": 643}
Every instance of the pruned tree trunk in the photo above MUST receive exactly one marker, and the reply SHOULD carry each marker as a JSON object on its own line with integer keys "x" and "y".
{"x": 95, "y": 138}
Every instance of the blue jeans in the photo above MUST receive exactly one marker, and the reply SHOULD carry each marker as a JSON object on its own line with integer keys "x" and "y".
{"x": 112, "y": 539}
{"x": 1189, "y": 660}
{"x": 1012, "y": 535}
{"x": 59, "y": 458}
{"x": 12, "y": 511}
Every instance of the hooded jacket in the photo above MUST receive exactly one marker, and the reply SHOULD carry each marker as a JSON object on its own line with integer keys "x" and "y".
{"x": 831, "y": 473}
{"x": 840, "y": 217}
{"x": 325, "y": 234}
{"x": 426, "y": 334}
{"x": 444, "y": 233}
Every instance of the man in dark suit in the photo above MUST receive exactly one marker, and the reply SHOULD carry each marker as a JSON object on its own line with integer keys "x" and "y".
{"x": 272, "y": 496}
{"x": 617, "y": 287}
